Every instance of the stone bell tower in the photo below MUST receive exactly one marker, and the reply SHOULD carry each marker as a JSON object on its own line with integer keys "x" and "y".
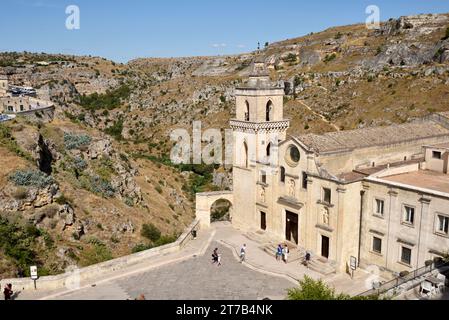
{"x": 257, "y": 129}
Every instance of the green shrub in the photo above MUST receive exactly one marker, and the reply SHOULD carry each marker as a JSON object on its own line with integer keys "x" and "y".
{"x": 150, "y": 232}
{"x": 99, "y": 186}
{"x": 219, "y": 214}
{"x": 291, "y": 57}
{"x": 79, "y": 164}
{"x": 7, "y": 140}
{"x": 329, "y": 57}
{"x": 20, "y": 193}
{"x": 62, "y": 200}
{"x": 140, "y": 247}
{"x": 72, "y": 141}
{"x": 109, "y": 100}
{"x": 115, "y": 130}
{"x": 165, "y": 240}
{"x": 16, "y": 242}
{"x": 96, "y": 254}
{"x": 31, "y": 178}
{"x": 310, "y": 289}
{"x": 129, "y": 202}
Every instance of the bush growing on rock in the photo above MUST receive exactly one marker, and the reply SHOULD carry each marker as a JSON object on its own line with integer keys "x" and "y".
{"x": 16, "y": 240}
{"x": 20, "y": 193}
{"x": 151, "y": 232}
{"x": 72, "y": 141}
{"x": 8, "y": 140}
{"x": 31, "y": 178}
{"x": 79, "y": 164}
{"x": 115, "y": 130}
{"x": 99, "y": 186}
{"x": 110, "y": 100}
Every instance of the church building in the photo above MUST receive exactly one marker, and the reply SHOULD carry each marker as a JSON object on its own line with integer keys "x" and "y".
{"x": 377, "y": 196}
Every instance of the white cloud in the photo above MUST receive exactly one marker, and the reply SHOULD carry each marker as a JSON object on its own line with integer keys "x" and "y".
{"x": 219, "y": 45}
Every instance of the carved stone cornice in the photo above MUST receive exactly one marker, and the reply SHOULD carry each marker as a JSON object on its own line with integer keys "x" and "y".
{"x": 291, "y": 202}
{"x": 324, "y": 227}
{"x": 259, "y": 127}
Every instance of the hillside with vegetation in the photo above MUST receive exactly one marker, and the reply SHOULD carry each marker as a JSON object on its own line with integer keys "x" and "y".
{"x": 97, "y": 183}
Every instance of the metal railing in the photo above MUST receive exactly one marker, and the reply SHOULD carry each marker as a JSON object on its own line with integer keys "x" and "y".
{"x": 387, "y": 286}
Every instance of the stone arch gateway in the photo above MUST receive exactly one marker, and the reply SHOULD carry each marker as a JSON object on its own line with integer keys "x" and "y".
{"x": 205, "y": 200}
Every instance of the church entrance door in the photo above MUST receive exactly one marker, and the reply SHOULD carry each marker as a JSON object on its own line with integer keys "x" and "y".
{"x": 291, "y": 227}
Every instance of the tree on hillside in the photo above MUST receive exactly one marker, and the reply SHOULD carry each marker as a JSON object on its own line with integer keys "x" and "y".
{"x": 310, "y": 289}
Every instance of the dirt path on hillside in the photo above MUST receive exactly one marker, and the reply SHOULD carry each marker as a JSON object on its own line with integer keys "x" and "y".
{"x": 319, "y": 115}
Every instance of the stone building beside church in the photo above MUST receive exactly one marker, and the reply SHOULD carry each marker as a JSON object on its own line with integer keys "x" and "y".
{"x": 378, "y": 196}
{"x": 21, "y": 104}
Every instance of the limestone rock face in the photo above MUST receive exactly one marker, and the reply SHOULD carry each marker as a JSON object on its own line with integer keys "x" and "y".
{"x": 45, "y": 196}
{"x": 402, "y": 54}
{"x": 67, "y": 213}
{"x": 79, "y": 231}
{"x": 414, "y": 25}
{"x": 309, "y": 58}
{"x": 177, "y": 198}
{"x": 125, "y": 227}
{"x": 100, "y": 148}
{"x": 222, "y": 180}
{"x": 442, "y": 55}
{"x": 125, "y": 185}
{"x": 45, "y": 154}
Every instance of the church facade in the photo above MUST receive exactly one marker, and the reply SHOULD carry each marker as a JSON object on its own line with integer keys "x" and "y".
{"x": 377, "y": 196}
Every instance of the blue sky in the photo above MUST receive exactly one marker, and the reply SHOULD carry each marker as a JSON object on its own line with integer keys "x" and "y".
{"x": 125, "y": 29}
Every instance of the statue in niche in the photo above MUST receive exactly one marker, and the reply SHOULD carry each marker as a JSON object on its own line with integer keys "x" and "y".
{"x": 291, "y": 189}
{"x": 325, "y": 216}
{"x": 262, "y": 195}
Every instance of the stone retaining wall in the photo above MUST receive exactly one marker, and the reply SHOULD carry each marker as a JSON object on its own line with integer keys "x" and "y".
{"x": 69, "y": 280}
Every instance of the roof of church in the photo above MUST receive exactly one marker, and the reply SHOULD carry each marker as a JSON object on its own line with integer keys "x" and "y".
{"x": 370, "y": 137}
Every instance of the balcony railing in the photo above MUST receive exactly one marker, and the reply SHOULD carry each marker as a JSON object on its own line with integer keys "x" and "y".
{"x": 387, "y": 286}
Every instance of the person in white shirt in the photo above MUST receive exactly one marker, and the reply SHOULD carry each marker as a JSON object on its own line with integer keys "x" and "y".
{"x": 285, "y": 253}
{"x": 242, "y": 253}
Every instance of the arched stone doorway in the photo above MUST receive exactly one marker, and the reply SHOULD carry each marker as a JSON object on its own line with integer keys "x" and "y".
{"x": 220, "y": 211}
{"x": 205, "y": 202}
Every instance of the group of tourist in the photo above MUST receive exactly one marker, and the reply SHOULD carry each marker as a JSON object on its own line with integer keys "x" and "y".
{"x": 216, "y": 257}
{"x": 282, "y": 253}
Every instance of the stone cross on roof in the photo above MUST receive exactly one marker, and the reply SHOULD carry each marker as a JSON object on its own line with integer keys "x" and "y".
{"x": 259, "y": 69}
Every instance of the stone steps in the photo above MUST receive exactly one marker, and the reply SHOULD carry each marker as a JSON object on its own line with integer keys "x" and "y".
{"x": 297, "y": 254}
{"x": 258, "y": 237}
{"x": 271, "y": 249}
{"x": 319, "y": 264}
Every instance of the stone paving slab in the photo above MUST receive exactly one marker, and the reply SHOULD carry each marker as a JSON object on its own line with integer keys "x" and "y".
{"x": 192, "y": 248}
{"x": 189, "y": 274}
{"x": 193, "y": 279}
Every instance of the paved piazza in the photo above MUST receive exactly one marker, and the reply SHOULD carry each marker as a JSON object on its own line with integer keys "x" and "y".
{"x": 192, "y": 279}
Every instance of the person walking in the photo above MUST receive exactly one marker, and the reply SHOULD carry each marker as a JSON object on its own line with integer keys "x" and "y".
{"x": 285, "y": 253}
{"x": 8, "y": 292}
{"x": 215, "y": 256}
{"x": 242, "y": 253}
{"x": 279, "y": 252}
{"x": 219, "y": 260}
